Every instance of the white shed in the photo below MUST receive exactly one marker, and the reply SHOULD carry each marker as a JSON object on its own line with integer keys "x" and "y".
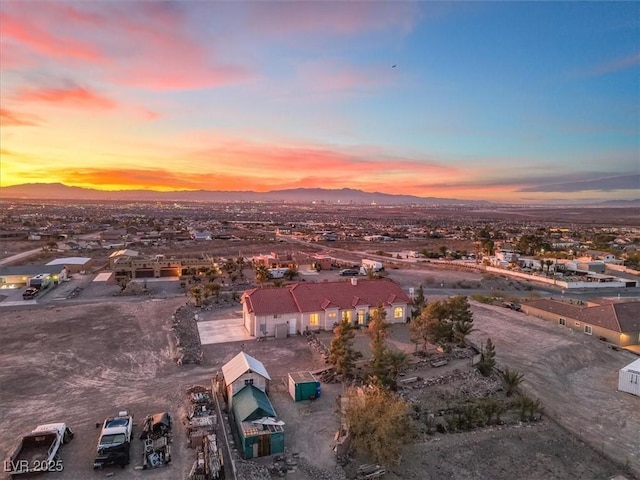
{"x": 629, "y": 378}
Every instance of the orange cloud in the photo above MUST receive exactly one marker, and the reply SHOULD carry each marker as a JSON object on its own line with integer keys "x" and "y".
{"x": 13, "y": 119}
{"x": 71, "y": 95}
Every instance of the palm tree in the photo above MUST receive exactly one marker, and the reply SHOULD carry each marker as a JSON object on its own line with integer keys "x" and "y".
{"x": 196, "y": 293}
{"x": 461, "y": 330}
{"x": 529, "y": 405}
{"x": 262, "y": 274}
{"x": 512, "y": 380}
{"x": 291, "y": 273}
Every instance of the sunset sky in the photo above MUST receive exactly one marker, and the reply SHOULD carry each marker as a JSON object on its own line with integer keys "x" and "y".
{"x": 501, "y": 101}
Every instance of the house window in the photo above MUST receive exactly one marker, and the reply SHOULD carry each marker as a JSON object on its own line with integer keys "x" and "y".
{"x": 361, "y": 316}
{"x": 347, "y": 315}
{"x": 398, "y": 312}
{"x": 332, "y": 315}
{"x": 248, "y": 381}
{"x": 588, "y": 330}
{"x": 562, "y": 321}
{"x": 314, "y": 319}
{"x": 277, "y": 315}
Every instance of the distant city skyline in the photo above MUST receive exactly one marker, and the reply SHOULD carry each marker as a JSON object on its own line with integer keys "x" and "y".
{"x": 522, "y": 102}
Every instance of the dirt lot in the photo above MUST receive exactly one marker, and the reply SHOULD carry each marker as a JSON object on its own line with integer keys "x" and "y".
{"x": 83, "y": 359}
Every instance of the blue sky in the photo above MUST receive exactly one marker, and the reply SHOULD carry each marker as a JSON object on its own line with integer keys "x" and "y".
{"x": 503, "y": 101}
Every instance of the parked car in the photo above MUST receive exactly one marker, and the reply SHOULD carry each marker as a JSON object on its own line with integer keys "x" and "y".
{"x": 30, "y": 293}
{"x": 349, "y": 272}
{"x": 512, "y": 305}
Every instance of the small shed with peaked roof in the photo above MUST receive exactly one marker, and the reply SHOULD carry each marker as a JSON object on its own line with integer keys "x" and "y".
{"x": 259, "y": 432}
{"x": 243, "y": 370}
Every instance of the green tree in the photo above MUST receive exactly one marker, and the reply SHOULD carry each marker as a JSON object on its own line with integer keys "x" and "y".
{"x": 487, "y": 359}
{"x": 378, "y": 331}
{"x": 461, "y": 317}
{"x": 341, "y": 352}
{"x": 379, "y": 423}
{"x": 433, "y": 324}
{"x": 418, "y": 302}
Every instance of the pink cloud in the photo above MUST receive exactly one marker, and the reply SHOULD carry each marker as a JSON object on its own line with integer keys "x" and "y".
{"x": 74, "y": 95}
{"x": 145, "y": 44}
{"x": 10, "y": 118}
{"x": 27, "y": 32}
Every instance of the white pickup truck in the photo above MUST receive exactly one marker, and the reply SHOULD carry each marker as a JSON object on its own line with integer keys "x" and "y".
{"x": 38, "y": 450}
{"x": 114, "y": 441}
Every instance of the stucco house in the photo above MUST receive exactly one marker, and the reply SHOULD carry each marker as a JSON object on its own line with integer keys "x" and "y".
{"x": 616, "y": 322}
{"x": 319, "y": 306}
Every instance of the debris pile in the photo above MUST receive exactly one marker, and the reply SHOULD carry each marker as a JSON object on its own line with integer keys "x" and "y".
{"x": 156, "y": 435}
{"x": 201, "y": 421}
{"x": 188, "y": 347}
{"x": 209, "y": 464}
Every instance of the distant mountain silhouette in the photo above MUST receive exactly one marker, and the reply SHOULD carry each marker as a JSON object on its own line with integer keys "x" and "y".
{"x": 620, "y": 203}
{"x": 58, "y": 191}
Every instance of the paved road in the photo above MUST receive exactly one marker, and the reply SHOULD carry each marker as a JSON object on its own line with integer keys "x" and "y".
{"x": 20, "y": 256}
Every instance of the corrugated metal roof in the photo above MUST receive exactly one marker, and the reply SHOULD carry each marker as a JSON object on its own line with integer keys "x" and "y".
{"x": 251, "y": 403}
{"x": 242, "y": 363}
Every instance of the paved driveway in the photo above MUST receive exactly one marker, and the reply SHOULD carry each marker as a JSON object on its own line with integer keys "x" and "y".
{"x": 222, "y": 331}
{"x": 574, "y": 375}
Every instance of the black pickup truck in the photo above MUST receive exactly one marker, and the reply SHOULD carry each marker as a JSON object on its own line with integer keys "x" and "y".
{"x": 114, "y": 442}
{"x": 30, "y": 293}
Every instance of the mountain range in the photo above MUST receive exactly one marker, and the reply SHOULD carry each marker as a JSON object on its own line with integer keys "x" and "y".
{"x": 58, "y": 191}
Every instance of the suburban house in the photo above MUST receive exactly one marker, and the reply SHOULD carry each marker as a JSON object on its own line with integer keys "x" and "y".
{"x": 320, "y": 306}
{"x": 615, "y": 322}
{"x": 246, "y": 383}
{"x": 18, "y": 276}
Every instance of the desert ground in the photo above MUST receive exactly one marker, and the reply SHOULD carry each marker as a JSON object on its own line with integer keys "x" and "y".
{"x": 81, "y": 358}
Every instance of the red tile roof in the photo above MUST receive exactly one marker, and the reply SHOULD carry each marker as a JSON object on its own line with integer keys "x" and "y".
{"x": 315, "y": 297}
{"x": 618, "y": 317}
